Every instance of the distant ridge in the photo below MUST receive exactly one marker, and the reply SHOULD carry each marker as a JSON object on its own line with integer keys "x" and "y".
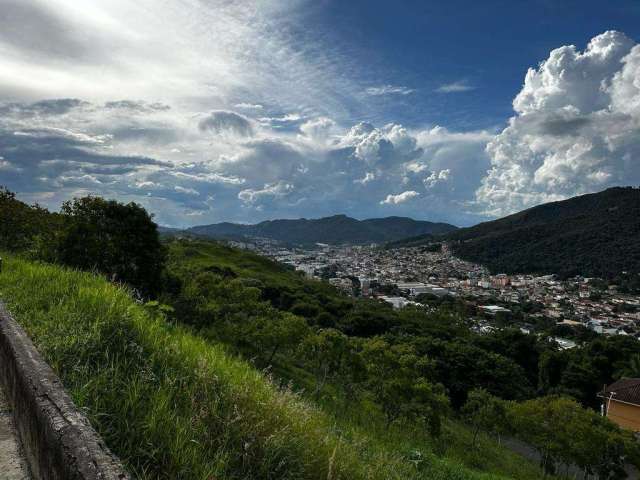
{"x": 337, "y": 229}
{"x": 596, "y": 234}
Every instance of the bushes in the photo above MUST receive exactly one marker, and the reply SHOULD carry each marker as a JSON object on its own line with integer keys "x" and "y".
{"x": 117, "y": 240}
{"x": 563, "y": 431}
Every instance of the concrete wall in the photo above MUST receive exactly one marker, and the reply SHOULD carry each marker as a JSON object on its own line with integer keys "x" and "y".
{"x": 625, "y": 415}
{"x": 56, "y": 437}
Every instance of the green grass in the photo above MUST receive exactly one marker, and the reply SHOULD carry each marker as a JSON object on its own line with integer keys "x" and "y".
{"x": 190, "y": 255}
{"x": 175, "y": 406}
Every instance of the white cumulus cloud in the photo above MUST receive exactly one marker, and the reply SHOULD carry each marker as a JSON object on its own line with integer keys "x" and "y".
{"x": 400, "y": 198}
{"x": 576, "y": 128}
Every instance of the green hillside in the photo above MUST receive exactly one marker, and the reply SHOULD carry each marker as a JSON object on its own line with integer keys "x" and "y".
{"x": 591, "y": 235}
{"x": 174, "y": 405}
{"x": 197, "y": 361}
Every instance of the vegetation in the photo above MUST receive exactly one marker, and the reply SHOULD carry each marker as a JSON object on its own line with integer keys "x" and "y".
{"x": 567, "y": 238}
{"x": 90, "y": 233}
{"x": 118, "y": 240}
{"x": 414, "y": 365}
{"x": 330, "y": 387}
{"x": 173, "y": 405}
{"x": 22, "y": 227}
{"x": 561, "y": 430}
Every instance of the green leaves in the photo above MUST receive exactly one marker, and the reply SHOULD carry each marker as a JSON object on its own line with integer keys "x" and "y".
{"x": 563, "y": 431}
{"x": 398, "y": 380}
{"x": 120, "y": 241}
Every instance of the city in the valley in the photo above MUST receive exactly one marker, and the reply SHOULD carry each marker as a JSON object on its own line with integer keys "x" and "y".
{"x": 431, "y": 275}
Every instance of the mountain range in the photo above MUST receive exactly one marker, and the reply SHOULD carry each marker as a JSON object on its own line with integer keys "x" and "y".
{"x": 337, "y": 229}
{"x": 594, "y": 235}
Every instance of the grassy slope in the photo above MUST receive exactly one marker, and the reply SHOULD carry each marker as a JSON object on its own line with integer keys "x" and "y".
{"x": 174, "y": 406}
{"x": 190, "y": 254}
{"x": 198, "y": 255}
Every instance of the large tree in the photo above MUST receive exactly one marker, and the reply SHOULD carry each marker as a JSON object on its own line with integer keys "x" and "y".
{"x": 115, "y": 239}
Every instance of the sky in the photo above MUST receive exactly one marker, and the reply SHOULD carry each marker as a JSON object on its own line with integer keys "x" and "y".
{"x": 217, "y": 110}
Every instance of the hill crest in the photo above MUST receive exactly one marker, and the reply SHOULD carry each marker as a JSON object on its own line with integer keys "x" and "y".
{"x": 336, "y": 229}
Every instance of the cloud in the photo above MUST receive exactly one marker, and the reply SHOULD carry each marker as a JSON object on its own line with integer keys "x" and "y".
{"x": 275, "y": 190}
{"x": 157, "y": 155}
{"x": 249, "y": 106}
{"x": 576, "y": 128}
{"x": 136, "y": 105}
{"x": 368, "y": 177}
{"x": 437, "y": 177}
{"x": 381, "y": 146}
{"x": 455, "y": 87}
{"x": 59, "y": 106}
{"x": 281, "y": 104}
{"x": 400, "y": 198}
{"x": 221, "y": 121}
{"x": 188, "y": 191}
{"x": 318, "y": 128}
{"x": 389, "y": 90}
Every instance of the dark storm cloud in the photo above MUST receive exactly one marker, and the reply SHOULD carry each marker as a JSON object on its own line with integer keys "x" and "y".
{"x": 563, "y": 126}
{"x": 221, "y": 121}
{"x": 33, "y": 146}
{"x": 58, "y": 106}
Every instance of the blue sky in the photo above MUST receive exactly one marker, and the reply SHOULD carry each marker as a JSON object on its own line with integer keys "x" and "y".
{"x": 207, "y": 111}
{"x": 487, "y": 45}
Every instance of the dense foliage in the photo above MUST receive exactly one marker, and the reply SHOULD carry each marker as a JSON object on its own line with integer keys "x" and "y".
{"x": 415, "y": 360}
{"x": 25, "y": 228}
{"x": 590, "y": 235}
{"x": 118, "y": 240}
{"x": 90, "y": 233}
{"x": 333, "y": 230}
{"x": 566, "y": 238}
{"x": 173, "y": 405}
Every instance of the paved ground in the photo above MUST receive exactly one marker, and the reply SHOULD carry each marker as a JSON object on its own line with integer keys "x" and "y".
{"x": 12, "y": 465}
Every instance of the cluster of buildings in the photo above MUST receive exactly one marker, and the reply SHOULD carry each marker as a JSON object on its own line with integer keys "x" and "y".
{"x": 407, "y": 276}
{"x": 400, "y": 276}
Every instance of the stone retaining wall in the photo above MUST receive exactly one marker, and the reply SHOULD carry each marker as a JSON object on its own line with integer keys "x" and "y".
{"x": 57, "y": 439}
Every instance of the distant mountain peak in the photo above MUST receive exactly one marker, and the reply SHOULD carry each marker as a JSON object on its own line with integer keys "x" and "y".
{"x": 335, "y": 229}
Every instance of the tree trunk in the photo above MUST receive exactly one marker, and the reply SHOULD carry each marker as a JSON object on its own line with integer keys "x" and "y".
{"x": 273, "y": 353}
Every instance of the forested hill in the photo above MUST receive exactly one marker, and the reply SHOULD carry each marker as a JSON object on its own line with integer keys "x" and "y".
{"x": 593, "y": 235}
{"x": 337, "y": 229}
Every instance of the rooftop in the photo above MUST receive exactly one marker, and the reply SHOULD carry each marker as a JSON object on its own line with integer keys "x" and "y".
{"x": 625, "y": 390}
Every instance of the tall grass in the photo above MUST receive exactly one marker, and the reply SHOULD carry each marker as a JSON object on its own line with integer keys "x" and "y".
{"x": 174, "y": 406}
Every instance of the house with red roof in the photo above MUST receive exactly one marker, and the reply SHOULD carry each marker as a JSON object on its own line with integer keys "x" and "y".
{"x": 621, "y": 403}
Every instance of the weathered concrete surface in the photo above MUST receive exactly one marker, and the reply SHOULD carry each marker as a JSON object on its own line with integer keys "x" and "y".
{"x": 13, "y": 465}
{"x": 57, "y": 440}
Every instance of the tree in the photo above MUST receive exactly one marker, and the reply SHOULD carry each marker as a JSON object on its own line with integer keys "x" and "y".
{"x": 120, "y": 241}
{"x": 632, "y": 370}
{"x": 330, "y": 356}
{"x": 563, "y": 431}
{"x": 24, "y": 227}
{"x": 278, "y": 331}
{"x": 484, "y": 412}
{"x": 397, "y": 378}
